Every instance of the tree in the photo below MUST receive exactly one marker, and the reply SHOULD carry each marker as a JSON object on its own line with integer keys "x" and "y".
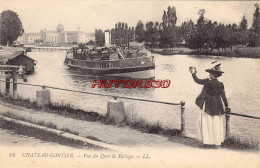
{"x": 133, "y": 33}
{"x": 156, "y": 35}
{"x": 119, "y": 27}
{"x": 126, "y": 34}
{"x": 148, "y": 32}
{"x": 256, "y": 20}
{"x": 10, "y": 27}
{"x": 90, "y": 42}
{"x": 152, "y": 35}
{"x": 255, "y": 30}
{"x": 187, "y": 29}
{"x": 220, "y": 32}
{"x": 169, "y": 34}
{"x": 116, "y": 34}
{"x": 242, "y": 33}
{"x": 243, "y": 23}
{"x": 113, "y": 39}
{"x": 82, "y": 46}
{"x": 121, "y": 34}
{"x": 139, "y": 32}
{"x": 201, "y": 29}
{"x": 210, "y": 35}
{"x": 172, "y": 37}
{"x": 171, "y": 16}
{"x": 100, "y": 37}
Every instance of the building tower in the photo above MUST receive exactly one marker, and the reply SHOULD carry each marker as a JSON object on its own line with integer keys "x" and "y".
{"x": 107, "y": 38}
{"x": 60, "y": 28}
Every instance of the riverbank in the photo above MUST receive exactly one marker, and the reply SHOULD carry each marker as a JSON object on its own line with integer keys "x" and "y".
{"x": 151, "y": 151}
{"x": 23, "y": 128}
{"x": 110, "y": 134}
{"x": 74, "y": 121}
{"x": 66, "y": 110}
{"x": 239, "y": 52}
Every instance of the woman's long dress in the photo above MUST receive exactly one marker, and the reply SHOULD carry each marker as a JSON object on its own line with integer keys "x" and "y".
{"x": 211, "y": 128}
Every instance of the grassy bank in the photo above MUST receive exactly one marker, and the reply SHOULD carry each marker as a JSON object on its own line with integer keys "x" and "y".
{"x": 173, "y": 51}
{"x": 42, "y": 123}
{"x": 240, "y": 52}
{"x": 43, "y": 134}
{"x": 235, "y": 142}
{"x": 66, "y": 110}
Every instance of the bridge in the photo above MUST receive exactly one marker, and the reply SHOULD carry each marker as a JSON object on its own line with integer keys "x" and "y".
{"x": 44, "y": 49}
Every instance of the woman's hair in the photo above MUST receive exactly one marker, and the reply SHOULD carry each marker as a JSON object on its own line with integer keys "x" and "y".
{"x": 216, "y": 74}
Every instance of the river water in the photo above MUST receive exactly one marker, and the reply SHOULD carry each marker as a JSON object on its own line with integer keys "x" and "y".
{"x": 241, "y": 80}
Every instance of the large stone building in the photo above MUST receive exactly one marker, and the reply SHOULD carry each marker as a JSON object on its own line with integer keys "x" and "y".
{"x": 58, "y": 37}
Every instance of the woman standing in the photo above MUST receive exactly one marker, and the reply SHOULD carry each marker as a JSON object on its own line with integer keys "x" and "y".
{"x": 211, "y": 121}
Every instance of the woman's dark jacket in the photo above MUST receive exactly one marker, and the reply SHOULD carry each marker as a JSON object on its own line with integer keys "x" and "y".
{"x": 211, "y": 95}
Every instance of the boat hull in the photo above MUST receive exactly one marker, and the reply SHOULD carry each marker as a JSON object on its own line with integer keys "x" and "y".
{"x": 146, "y": 74}
{"x": 134, "y": 73}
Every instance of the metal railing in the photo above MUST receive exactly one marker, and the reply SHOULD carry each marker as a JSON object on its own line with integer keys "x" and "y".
{"x": 181, "y": 103}
{"x": 115, "y": 97}
{"x": 228, "y": 113}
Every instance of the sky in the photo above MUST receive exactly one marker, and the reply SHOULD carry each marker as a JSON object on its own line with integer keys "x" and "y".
{"x": 103, "y": 14}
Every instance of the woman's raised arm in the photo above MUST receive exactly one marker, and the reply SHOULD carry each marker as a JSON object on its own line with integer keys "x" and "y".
{"x": 199, "y": 81}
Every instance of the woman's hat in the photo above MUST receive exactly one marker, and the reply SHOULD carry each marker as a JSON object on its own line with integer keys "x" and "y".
{"x": 215, "y": 67}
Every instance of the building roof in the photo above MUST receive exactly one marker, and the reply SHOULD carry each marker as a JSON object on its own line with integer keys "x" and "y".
{"x": 36, "y": 34}
{"x": 74, "y": 31}
{"x": 25, "y": 56}
{"x": 8, "y": 54}
{"x": 52, "y": 31}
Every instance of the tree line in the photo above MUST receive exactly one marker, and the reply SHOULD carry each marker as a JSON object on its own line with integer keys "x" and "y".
{"x": 209, "y": 35}
{"x": 204, "y": 34}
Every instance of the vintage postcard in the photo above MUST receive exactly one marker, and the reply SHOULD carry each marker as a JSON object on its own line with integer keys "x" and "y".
{"x": 138, "y": 83}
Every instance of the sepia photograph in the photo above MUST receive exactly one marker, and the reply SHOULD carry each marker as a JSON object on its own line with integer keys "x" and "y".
{"x": 129, "y": 83}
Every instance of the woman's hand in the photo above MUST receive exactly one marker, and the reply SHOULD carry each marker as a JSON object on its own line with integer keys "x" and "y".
{"x": 227, "y": 110}
{"x": 193, "y": 70}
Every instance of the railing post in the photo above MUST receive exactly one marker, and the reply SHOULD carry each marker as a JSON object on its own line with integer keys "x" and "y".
{"x": 182, "y": 117}
{"x": 14, "y": 83}
{"x": 7, "y": 86}
{"x": 115, "y": 110}
{"x": 43, "y": 97}
{"x": 227, "y": 123}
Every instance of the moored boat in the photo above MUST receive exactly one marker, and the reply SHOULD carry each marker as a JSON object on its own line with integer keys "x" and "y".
{"x": 127, "y": 63}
